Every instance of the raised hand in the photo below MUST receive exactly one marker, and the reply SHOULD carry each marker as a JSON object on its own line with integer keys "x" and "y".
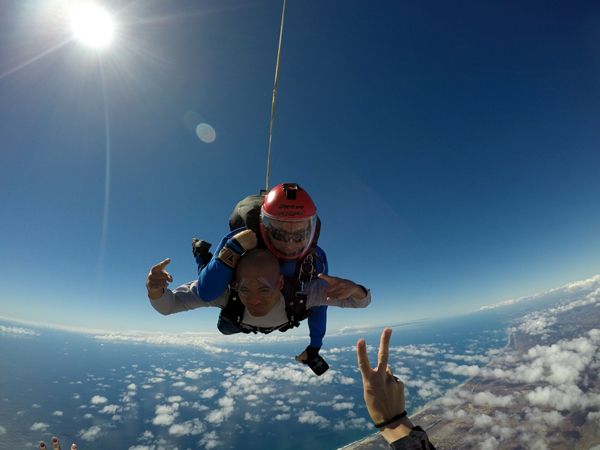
{"x": 55, "y": 445}
{"x": 383, "y": 393}
{"x": 158, "y": 279}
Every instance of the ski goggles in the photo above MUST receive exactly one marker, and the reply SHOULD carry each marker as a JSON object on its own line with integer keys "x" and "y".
{"x": 297, "y": 236}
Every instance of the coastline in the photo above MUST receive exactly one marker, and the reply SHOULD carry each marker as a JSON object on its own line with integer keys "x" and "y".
{"x": 525, "y": 395}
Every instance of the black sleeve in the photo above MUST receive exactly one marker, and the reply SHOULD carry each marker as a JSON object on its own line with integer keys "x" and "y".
{"x": 416, "y": 440}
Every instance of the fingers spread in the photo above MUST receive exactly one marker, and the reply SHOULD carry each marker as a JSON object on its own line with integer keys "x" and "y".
{"x": 388, "y": 370}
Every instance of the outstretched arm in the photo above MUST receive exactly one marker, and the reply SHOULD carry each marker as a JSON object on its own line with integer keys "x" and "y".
{"x": 334, "y": 291}
{"x": 185, "y": 298}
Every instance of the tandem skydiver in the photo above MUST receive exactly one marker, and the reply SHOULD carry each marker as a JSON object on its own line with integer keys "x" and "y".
{"x": 256, "y": 300}
{"x": 285, "y": 222}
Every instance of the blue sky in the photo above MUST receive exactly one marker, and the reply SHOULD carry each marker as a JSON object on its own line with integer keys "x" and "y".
{"x": 452, "y": 149}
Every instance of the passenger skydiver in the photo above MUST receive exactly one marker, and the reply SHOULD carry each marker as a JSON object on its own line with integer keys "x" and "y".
{"x": 255, "y": 300}
{"x": 286, "y": 223}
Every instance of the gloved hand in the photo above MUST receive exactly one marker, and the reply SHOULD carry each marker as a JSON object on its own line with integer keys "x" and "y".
{"x": 236, "y": 245}
{"x": 242, "y": 242}
{"x": 200, "y": 249}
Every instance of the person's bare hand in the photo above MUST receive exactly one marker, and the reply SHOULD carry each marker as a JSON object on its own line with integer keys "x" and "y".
{"x": 55, "y": 445}
{"x": 246, "y": 239}
{"x": 341, "y": 288}
{"x": 158, "y": 279}
{"x": 383, "y": 393}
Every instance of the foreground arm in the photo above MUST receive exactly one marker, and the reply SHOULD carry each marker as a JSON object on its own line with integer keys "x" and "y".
{"x": 184, "y": 298}
{"x": 334, "y": 291}
{"x": 384, "y": 397}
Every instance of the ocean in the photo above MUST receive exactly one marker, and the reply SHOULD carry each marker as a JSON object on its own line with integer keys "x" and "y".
{"x": 106, "y": 392}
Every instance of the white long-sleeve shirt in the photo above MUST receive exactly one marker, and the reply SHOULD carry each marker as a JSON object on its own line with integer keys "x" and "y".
{"x": 185, "y": 298}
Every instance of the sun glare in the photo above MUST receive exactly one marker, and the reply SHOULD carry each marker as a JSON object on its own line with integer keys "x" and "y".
{"x": 92, "y": 25}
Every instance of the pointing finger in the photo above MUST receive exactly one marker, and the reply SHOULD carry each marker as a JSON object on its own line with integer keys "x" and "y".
{"x": 161, "y": 265}
{"x": 384, "y": 349}
{"x": 362, "y": 357}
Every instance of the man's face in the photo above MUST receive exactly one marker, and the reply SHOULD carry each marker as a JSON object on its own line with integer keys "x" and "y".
{"x": 259, "y": 289}
{"x": 290, "y": 238}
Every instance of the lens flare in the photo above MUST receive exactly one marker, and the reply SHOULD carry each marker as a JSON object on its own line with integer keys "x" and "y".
{"x": 206, "y": 133}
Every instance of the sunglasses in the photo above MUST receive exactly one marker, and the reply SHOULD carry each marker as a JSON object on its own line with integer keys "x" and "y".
{"x": 285, "y": 236}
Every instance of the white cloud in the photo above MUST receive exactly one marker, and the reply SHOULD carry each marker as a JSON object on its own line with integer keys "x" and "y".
{"x": 343, "y": 405}
{"x": 588, "y": 286}
{"x": 483, "y": 421}
{"x": 57, "y": 413}
{"x": 2, "y": 430}
{"x": 91, "y": 433}
{"x": 98, "y": 400}
{"x": 17, "y": 331}
{"x": 175, "y": 399}
{"x": 209, "y": 440}
{"x": 562, "y": 398}
{"x": 39, "y": 426}
{"x": 455, "y": 369}
{"x": 190, "y": 427}
{"x": 209, "y": 393}
{"x": 252, "y": 417}
{"x": 110, "y": 409}
{"x": 165, "y": 414}
{"x": 345, "y": 380}
{"x": 218, "y": 416}
{"x": 359, "y": 423}
{"x": 198, "y": 340}
{"x": 489, "y": 399}
{"x": 282, "y": 417}
{"x": 197, "y": 373}
{"x": 312, "y": 418}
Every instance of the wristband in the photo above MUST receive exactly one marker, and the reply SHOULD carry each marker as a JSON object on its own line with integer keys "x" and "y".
{"x": 393, "y": 419}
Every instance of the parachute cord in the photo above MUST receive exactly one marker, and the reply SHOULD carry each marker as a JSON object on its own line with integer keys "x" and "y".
{"x": 274, "y": 97}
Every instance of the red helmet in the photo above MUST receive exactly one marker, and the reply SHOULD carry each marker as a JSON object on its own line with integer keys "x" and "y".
{"x": 288, "y": 221}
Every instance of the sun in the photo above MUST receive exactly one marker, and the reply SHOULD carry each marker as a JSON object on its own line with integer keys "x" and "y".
{"x": 92, "y": 25}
